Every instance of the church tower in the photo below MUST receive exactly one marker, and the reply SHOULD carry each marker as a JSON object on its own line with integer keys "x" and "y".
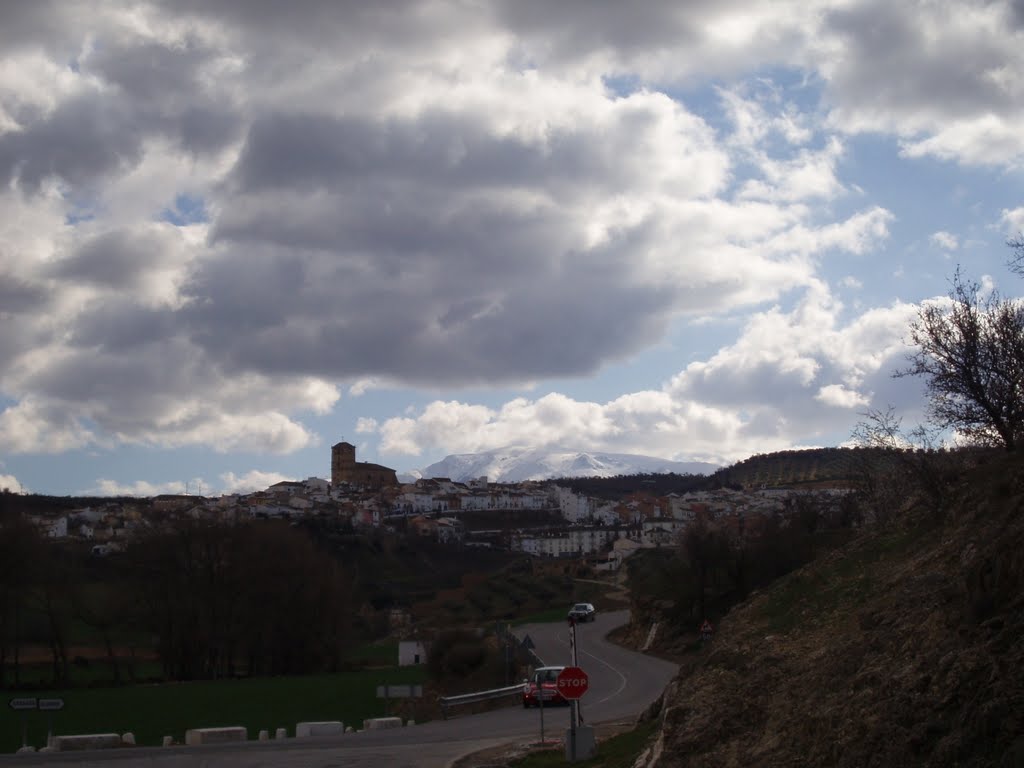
{"x": 343, "y": 462}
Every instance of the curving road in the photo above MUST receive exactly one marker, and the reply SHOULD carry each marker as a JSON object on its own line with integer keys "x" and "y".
{"x": 622, "y": 684}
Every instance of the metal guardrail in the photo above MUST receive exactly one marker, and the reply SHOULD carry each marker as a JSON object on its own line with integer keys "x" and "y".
{"x": 448, "y": 702}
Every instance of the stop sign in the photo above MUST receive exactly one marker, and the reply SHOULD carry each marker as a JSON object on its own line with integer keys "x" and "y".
{"x": 572, "y": 682}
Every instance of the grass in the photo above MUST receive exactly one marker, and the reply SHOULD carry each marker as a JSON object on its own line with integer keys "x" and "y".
{"x": 96, "y": 672}
{"x": 616, "y": 752}
{"x": 841, "y": 583}
{"x": 153, "y": 711}
{"x": 383, "y": 653}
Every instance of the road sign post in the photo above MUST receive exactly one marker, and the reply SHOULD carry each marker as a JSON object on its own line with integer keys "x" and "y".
{"x": 23, "y": 705}
{"x": 572, "y": 683}
{"x": 49, "y": 706}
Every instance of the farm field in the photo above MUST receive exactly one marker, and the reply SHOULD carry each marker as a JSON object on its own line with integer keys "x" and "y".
{"x": 154, "y": 711}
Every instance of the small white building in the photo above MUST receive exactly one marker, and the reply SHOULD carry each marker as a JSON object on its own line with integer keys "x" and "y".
{"x": 411, "y": 652}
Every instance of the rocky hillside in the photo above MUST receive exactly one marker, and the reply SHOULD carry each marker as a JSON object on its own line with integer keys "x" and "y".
{"x": 904, "y": 648}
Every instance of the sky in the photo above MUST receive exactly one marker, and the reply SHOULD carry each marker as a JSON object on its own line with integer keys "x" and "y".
{"x": 233, "y": 234}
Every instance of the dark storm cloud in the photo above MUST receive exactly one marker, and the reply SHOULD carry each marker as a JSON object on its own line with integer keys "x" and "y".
{"x": 96, "y": 134}
{"x": 21, "y": 301}
{"x": 581, "y": 27}
{"x": 892, "y": 64}
{"x": 326, "y": 25}
{"x": 326, "y": 314}
{"x": 120, "y": 324}
{"x": 115, "y": 259}
{"x": 81, "y": 141}
{"x": 165, "y": 85}
{"x": 47, "y": 22}
{"x": 19, "y": 296}
{"x": 451, "y": 150}
{"x": 405, "y": 250}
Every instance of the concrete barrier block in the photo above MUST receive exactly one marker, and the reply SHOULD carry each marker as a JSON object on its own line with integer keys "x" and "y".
{"x": 25, "y": 750}
{"x": 86, "y": 741}
{"x": 281, "y": 733}
{"x": 376, "y": 723}
{"x": 196, "y": 736}
{"x": 168, "y": 741}
{"x": 264, "y": 735}
{"x": 323, "y": 728}
{"x": 128, "y": 739}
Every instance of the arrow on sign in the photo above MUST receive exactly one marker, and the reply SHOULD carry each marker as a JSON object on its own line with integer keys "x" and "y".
{"x": 23, "y": 703}
{"x": 51, "y": 704}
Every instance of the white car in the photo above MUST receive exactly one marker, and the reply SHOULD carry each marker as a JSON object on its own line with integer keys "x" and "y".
{"x": 583, "y": 612}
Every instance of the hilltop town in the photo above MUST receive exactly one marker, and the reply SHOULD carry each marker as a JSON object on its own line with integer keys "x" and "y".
{"x": 551, "y": 518}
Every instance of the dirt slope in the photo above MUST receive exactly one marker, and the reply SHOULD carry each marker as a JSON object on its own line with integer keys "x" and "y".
{"x": 906, "y": 648}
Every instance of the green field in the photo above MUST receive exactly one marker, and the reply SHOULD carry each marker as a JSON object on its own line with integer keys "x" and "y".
{"x": 154, "y": 711}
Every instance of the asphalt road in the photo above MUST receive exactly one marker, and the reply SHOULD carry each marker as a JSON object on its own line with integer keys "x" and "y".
{"x": 621, "y": 685}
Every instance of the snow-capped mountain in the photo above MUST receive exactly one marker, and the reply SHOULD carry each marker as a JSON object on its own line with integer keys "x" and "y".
{"x": 516, "y": 463}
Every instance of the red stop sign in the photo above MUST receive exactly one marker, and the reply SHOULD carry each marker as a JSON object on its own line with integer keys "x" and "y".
{"x": 572, "y": 682}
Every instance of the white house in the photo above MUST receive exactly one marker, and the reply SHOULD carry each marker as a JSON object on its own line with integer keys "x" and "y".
{"x": 52, "y": 527}
{"x": 411, "y": 652}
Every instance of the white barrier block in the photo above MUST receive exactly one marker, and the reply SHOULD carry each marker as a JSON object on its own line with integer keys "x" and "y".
{"x": 196, "y": 736}
{"x": 264, "y": 735}
{"x": 375, "y": 723}
{"x": 86, "y": 741}
{"x": 323, "y": 728}
{"x": 128, "y": 739}
{"x": 281, "y": 733}
{"x": 168, "y": 741}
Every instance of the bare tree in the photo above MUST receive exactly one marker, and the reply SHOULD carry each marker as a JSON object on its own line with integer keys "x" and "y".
{"x": 971, "y": 353}
{"x": 1016, "y": 261}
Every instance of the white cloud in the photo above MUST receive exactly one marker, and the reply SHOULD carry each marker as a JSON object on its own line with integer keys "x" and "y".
{"x": 789, "y": 375}
{"x": 841, "y": 397}
{"x": 440, "y": 195}
{"x": 30, "y": 427}
{"x": 142, "y": 488}
{"x": 366, "y": 425}
{"x": 230, "y": 483}
{"x": 251, "y": 481}
{"x": 1012, "y": 220}
{"x": 947, "y": 241}
{"x": 939, "y": 75}
{"x": 10, "y": 483}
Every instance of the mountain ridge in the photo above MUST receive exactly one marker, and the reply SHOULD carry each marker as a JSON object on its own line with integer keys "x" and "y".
{"x": 517, "y": 463}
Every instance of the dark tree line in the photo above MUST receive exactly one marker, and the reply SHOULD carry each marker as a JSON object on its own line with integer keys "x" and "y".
{"x": 256, "y": 599}
{"x": 216, "y": 599}
{"x": 714, "y": 568}
{"x": 21, "y": 563}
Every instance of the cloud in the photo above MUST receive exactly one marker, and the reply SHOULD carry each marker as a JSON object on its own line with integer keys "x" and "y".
{"x": 433, "y": 195}
{"x": 789, "y": 376}
{"x": 229, "y": 483}
{"x": 939, "y": 75}
{"x": 1012, "y": 220}
{"x": 947, "y": 241}
{"x": 251, "y": 481}
{"x": 10, "y": 483}
{"x": 142, "y": 488}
